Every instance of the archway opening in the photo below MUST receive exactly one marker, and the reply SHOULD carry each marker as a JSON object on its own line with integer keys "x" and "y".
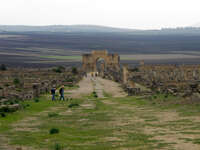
{"x": 100, "y": 66}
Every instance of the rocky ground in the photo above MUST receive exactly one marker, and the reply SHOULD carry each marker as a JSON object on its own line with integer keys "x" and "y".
{"x": 99, "y": 85}
{"x": 112, "y": 122}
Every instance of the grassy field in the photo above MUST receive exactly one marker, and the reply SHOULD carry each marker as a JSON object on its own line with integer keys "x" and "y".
{"x": 75, "y": 58}
{"x": 103, "y": 124}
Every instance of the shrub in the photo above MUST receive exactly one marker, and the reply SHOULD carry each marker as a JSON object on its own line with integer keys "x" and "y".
{"x": 3, "y": 67}
{"x": 16, "y": 81}
{"x": 11, "y": 103}
{"x": 53, "y": 131}
{"x": 52, "y": 114}
{"x": 70, "y": 79}
{"x": 135, "y": 69}
{"x": 3, "y": 115}
{"x": 150, "y": 98}
{"x": 59, "y": 69}
{"x": 94, "y": 94}
{"x": 58, "y": 147}
{"x": 73, "y": 105}
{"x": 6, "y": 109}
{"x": 36, "y": 100}
{"x": 6, "y": 85}
{"x": 5, "y": 103}
{"x": 16, "y": 101}
{"x": 74, "y": 70}
{"x": 1, "y": 97}
{"x": 157, "y": 92}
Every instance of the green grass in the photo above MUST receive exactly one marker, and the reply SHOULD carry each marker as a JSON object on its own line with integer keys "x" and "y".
{"x": 33, "y": 108}
{"x": 107, "y": 94}
{"x": 62, "y": 57}
{"x": 110, "y": 124}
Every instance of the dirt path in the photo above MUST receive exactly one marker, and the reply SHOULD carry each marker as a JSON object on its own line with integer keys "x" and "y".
{"x": 112, "y": 87}
{"x": 99, "y": 85}
{"x": 85, "y": 88}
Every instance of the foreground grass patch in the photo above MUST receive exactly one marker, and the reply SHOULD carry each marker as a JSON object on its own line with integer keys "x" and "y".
{"x": 34, "y": 107}
{"x": 100, "y": 124}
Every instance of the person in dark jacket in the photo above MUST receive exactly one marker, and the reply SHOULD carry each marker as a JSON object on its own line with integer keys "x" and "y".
{"x": 53, "y": 93}
{"x": 61, "y": 91}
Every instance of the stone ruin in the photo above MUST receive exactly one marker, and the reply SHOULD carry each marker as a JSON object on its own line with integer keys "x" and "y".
{"x": 183, "y": 80}
{"x": 89, "y": 61}
{"x": 177, "y": 80}
{"x": 32, "y": 83}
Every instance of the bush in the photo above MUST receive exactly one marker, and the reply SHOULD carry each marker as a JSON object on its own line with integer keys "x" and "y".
{"x": 3, "y": 67}
{"x": 3, "y": 115}
{"x": 16, "y": 81}
{"x": 74, "y": 70}
{"x": 52, "y": 114}
{"x": 11, "y": 103}
{"x": 5, "y": 103}
{"x": 53, "y": 131}
{"x": 1, "y": 97}
{"x": 73, "y": 105}
{"x": 16, "y": 101}
{"x": 58, "y": 147}
{"x": 70, "y": 79}
{"x": 6, "y": 109}
{"x": 59, "y": 69}
{"x": 6, "y": 85}
{"x": 135, "y": 69}
{"x": 36, "y": 100}
{"x": 94, "y": 94}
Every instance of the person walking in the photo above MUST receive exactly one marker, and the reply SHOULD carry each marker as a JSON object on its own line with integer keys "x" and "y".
{"x": 61, "y": 91}
{"x": 53, "y": 93}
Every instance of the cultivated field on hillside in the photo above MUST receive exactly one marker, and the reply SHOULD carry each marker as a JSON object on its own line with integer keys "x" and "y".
{"x": 33, "y": 49}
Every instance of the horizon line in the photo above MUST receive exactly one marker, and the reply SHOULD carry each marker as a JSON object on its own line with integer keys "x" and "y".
{"x": 106, "y": 26}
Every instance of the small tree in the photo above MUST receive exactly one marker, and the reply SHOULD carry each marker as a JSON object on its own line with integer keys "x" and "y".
{"x": 74, "y": 70}
{"x": 16, "y": 81}
{"x": 59, "y": 69}
{"x": 3, "y": 67}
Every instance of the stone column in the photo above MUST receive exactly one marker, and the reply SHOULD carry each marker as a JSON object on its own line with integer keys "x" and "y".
{"x": 36, "y": 90}
{"x": 125, "y": 74}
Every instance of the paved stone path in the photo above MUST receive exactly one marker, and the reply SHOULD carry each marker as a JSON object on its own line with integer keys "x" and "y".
{"x": 98, "y": 88}
{"x": 99, "y": 85}
{"x": 85, "y": 88}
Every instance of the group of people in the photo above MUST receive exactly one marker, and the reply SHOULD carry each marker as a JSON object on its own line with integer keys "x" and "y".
{"x": 94, "y": 74}
{"x": 61, "y": 92}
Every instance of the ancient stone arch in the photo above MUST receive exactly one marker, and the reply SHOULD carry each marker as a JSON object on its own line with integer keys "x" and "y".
{"x": 89, "y": 61}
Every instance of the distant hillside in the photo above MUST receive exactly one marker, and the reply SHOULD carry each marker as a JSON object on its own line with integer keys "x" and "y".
{"x": 97, "y": 29}
{"x": 61, "y": 28}
{"x": 50, "y": 45}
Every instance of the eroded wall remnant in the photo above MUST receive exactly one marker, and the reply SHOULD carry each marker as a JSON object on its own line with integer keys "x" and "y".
{"x": 89, "y": 61}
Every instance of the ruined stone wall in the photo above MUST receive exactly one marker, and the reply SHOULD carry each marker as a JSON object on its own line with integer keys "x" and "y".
{"x": 89, "y": 61}
{"x": 165, "y": 78}
{"x": 32, "y": 82}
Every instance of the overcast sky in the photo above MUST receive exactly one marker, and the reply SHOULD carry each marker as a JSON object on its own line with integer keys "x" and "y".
{"x": 138, "y": 14}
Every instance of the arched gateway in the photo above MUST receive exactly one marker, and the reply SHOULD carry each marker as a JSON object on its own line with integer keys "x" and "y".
{"x": 89, "y": 61}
